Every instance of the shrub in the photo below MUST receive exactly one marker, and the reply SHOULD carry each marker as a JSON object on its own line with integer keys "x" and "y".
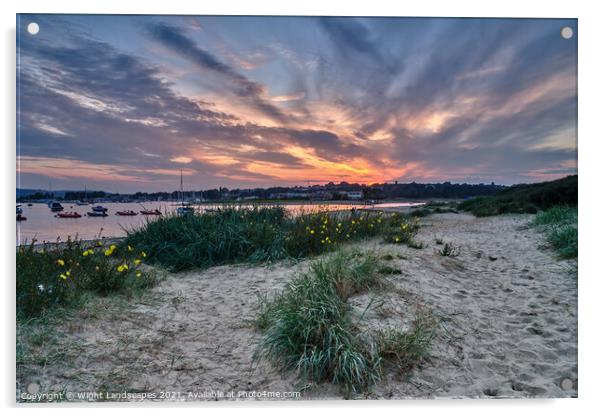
{"x": 525, "y": 198}
{"x": 57, "y": 275}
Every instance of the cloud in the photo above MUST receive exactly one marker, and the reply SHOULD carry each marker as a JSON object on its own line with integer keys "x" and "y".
{"x": 416, "y": 99}
{"x": 177, "y": 41}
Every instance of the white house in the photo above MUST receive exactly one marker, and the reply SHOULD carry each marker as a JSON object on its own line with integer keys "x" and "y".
{"x": 355, "y": 195}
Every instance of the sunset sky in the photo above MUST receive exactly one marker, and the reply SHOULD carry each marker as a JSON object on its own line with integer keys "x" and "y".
{"x": 122, "y": 103}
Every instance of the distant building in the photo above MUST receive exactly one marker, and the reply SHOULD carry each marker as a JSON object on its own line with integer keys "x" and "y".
{"x": 355, "y": 195}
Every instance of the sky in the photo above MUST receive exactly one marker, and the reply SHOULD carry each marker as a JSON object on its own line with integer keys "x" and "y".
{"x": 126, "y": 103}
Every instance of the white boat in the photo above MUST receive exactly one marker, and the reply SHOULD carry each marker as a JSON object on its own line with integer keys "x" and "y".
{"x": 185, "y": 208}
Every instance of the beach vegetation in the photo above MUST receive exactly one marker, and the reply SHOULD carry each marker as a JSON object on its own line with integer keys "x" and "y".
{"x": 309, "y": 327}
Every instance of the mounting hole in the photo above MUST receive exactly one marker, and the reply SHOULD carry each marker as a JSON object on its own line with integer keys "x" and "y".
{"x": 33, "y": 28}
{"x": 566, "y": 32}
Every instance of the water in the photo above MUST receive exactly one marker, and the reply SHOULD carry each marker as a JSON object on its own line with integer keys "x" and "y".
{"x": 42, "y": 224}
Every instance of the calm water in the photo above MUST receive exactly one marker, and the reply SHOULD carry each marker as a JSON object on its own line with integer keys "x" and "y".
{"x": 42, "y": 224}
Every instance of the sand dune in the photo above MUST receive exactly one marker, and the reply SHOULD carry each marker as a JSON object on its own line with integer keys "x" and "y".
{"x": 508, "y": 311}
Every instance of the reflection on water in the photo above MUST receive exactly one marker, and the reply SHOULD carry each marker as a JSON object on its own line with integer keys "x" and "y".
{"x": 42, "y": 224}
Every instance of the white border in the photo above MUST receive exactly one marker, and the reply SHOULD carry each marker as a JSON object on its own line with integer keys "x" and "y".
{"x": 590, "y": 33}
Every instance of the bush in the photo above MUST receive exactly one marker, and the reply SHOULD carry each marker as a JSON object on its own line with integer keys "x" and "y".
{"x": 522, "y": 199}
{"x": 58, "y": 275}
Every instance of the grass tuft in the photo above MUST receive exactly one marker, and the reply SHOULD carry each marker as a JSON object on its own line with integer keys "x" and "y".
{"x": 307, "y": 327}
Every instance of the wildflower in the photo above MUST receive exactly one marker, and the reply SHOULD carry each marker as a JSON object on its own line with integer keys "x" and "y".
{"x": 397, "y": 239}
{"x": 323, "y": 241}
{"x": 87, "y": 252}
{"x": 137, "y": 261}
{"x": 60, "y": 262}
{"x": 378, "y": 220}
{"x": 352, "y": 221}
{"x": 130, "y": 248}
{"x": 108, "y": 252}
{"x": 143, "y": 254}
{"x": 68, "y": 273}
{"x": 97, "y": 268}
{"x": 312, "y": 232}
{"x": 99, "y": 244}
{"x": 62, "y": 276}
{"x": 138, "y": 274}
{"x": 122, "y": 267}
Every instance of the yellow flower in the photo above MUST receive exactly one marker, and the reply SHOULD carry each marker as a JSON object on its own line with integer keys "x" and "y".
{"x": 97, "y": 268}
{"x": 312, "y": 232}
{"x": 397, "y": 239}
{"x": 98, "y": 243}
{"x": 88, "y": 252}
{"x": 122, "y": 268}
{"x": 378, "y": 220}
{"x": 68, "y": 273}
{"x": 137, "y": 261}
{"x": 130, "y": 248}
{"x": 60, "y": 262}
{"x": 352, "y": 221}
{"x": 108, "y": 252}
{"x": 138, "y": 274}
{"x": 62, "y": 276}
{"x": 143, "y": 254}
{"x": 323, "y": 241}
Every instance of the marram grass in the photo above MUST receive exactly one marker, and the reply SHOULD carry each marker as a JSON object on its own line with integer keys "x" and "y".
{"x": 308, "y": 326}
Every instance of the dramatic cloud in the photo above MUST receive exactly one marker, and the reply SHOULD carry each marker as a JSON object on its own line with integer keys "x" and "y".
{"x": 123, "y": 103}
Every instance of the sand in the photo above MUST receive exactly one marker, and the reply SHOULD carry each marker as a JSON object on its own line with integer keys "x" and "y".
{"x": 507, "y": 306}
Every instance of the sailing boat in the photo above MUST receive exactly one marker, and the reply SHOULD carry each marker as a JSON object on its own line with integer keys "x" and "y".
{"x": 184, "y": 207}
{"x": 85, "y": 200}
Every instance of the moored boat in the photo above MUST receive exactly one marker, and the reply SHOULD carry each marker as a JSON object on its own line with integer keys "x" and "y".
{"x": 126, "y": 213}
{"x": 97, "y": 214}
{"x": 150, "y": 212}
{"x": 21, "y": 217}
{"x": 99, "y": 208}
{"x": 55, "y": 206}
{"x": 68, "y": 215}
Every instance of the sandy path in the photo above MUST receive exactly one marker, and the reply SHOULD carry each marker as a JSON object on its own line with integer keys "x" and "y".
{"x": 508, "y": 310}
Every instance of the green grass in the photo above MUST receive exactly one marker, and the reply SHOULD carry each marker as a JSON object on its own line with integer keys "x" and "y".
{"x": 308, "y": 327}
{"x": 258, "y": 234}
{"x": 54, "y": 275}
{"x": 560, "y": 226}
{"x": 522, "y": 199}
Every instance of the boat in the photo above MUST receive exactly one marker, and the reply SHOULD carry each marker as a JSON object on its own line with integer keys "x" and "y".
{"x": 97, "y": 214}
{"x": 126, "y": 213}
{"x": 21, "y": 217}
{"x": 55, "y": 206}
{"x": 99, "y": 208}
{"x": 68, "y": 215}
{"x": 150, "y": 212}
{"x": 19, "y": 209}
{"x": 185, "y": 208}
{"x": 83, "y": 201}
{"x": 30, "y": 205}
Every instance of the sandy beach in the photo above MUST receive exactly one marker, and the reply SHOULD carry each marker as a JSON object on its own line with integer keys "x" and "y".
{"x": 507, "y": 309}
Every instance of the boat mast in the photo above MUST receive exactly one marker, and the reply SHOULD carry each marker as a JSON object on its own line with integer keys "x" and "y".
{"x": 181, "y": 188}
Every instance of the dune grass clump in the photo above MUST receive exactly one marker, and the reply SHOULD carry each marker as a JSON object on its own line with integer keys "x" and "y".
{"x": 449, "y": 250}
{"x": 255, "y": 234}
{"x": 560, "y": 226}
{"x": 56, "y": 275}
{"x": 406, "y": 349}
{"x": 309, "y": 327}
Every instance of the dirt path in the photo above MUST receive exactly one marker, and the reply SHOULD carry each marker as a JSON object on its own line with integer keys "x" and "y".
{"x": 508, "y": 311}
